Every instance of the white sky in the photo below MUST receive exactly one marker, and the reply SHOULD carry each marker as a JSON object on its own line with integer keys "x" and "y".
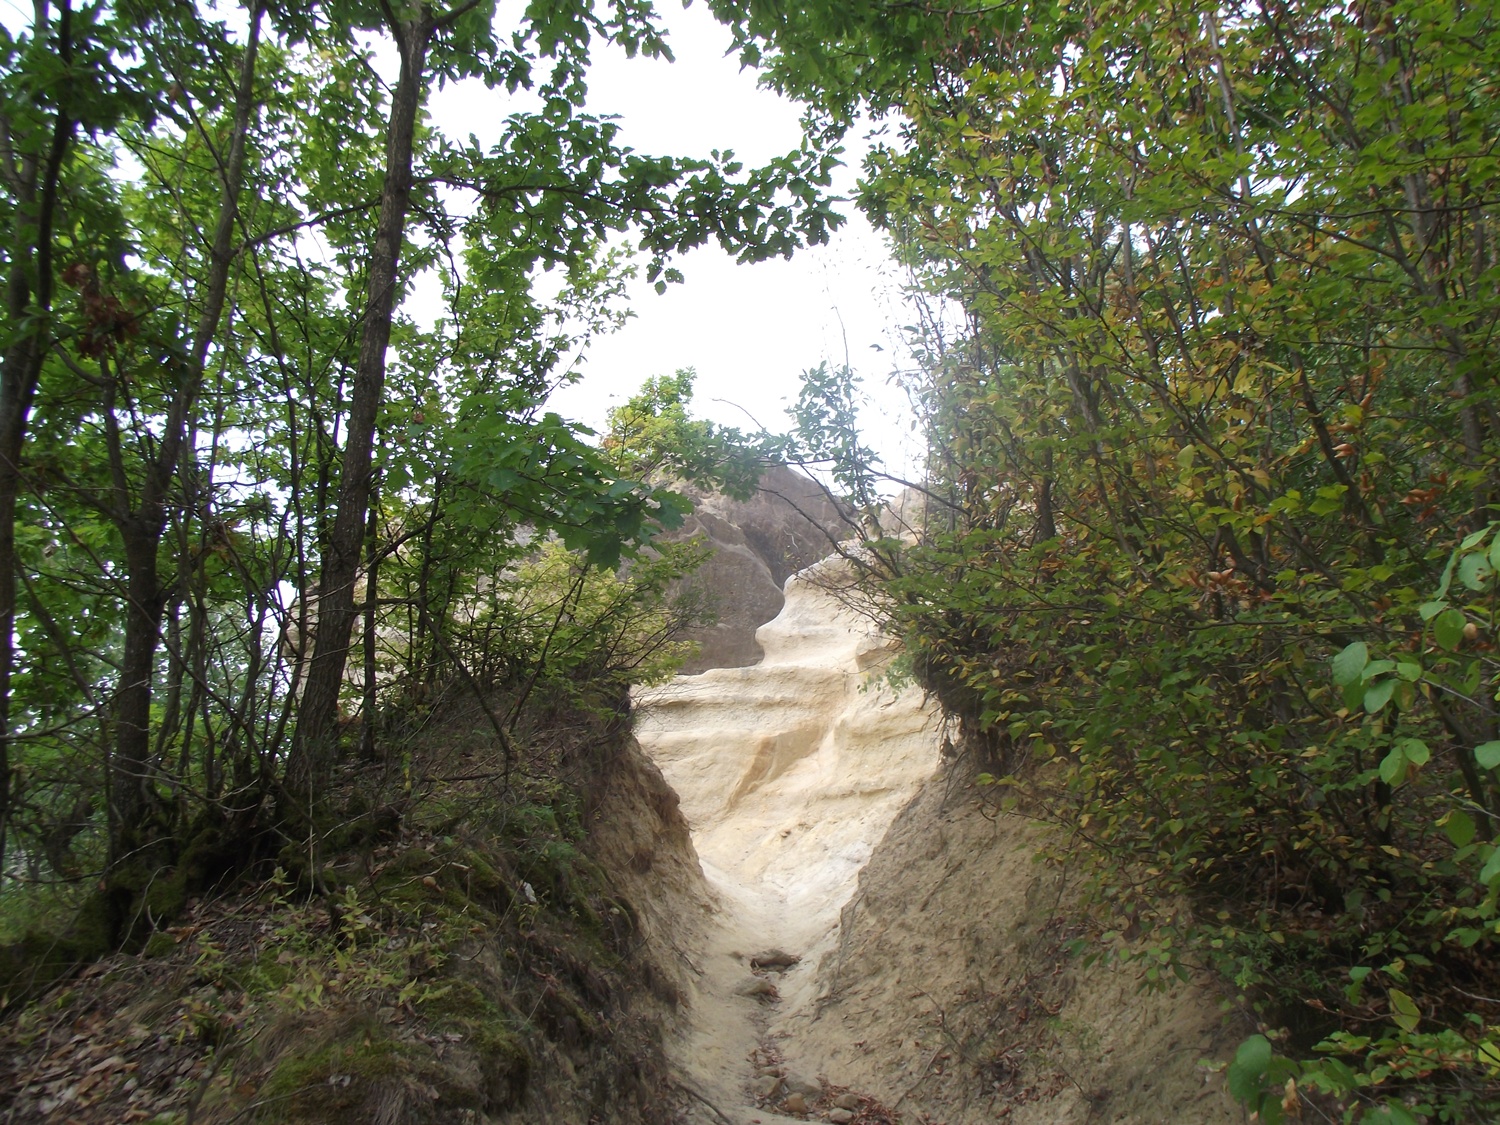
{"x": 751, "y": 330}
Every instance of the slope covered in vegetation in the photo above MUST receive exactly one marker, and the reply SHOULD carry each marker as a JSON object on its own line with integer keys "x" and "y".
{"x": 1210, "y": 380}
{"x": 1209, "y": 559}
{"x": 479, "y": 956}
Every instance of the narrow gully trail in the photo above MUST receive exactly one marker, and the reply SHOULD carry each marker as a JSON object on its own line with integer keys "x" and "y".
{"x": 789, "y": 773}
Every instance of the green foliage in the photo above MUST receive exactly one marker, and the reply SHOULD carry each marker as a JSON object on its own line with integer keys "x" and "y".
{"x": 556, "y": 622}
{"x": 826, "y": 420}
{"x": 208, "y": 411}
{"x": 653, "y": 437}
{"x": 1218, "y": 412}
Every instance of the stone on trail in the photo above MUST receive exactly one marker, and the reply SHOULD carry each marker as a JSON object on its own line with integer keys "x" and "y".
{"x": 799, "y": 1084}
{"x": 766, "y": 1086}
{"x": 841, "y": 1116}
{"x": 774, "y": 959}
{"x": 847, "y": 1101}
{"x": 795, "y": 1103}
{"x": 756, "y": 986}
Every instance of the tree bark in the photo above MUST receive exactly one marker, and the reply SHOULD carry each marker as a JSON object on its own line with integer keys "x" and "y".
{"x": 28, "y": 294}
{"x": 314, "y": 744}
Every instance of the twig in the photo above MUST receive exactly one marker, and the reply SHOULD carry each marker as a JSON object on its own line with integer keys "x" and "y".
{"x": 1475, "y": 996}
{"x": 686, "y": 1089}
{"x": 920, "y": 1078}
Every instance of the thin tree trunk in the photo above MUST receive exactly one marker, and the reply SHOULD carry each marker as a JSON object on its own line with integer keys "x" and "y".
{"x": 142, "y": 528}
{"x": 28, "y": 294}
{"x": 314, "y": 744}
{"x": 372, "y": 599}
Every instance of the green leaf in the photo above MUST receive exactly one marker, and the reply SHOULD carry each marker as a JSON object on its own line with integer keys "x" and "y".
{"x": 1324, "y": 506}
{"x": 1414, "y": 750}
{"x": 1491, "y": 869}
{"x": 1488, "y": 754}
{"x": 1404, "y": 1010}
{"x": 1378, "y": 694}
{"x": 1448, "y": 628}
{"x": 1474, "y": 571}
{"x": 1392, "y": 1113}
{"x": 1393, "y": 768}
{"x": 1459, "y": 827}
{"x": 1348, "y": 664}
{"x": 1406, "y": 695}
{"x": 1247, "y": 1071}
{"x": 1488, "y": 1053}
{"x": 1447, "y": 579}
{"x": 1474, "y": 538}
{"x": 1354, "y": 695}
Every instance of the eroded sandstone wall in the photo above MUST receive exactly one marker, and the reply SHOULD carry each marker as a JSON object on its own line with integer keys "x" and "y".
{"x": 929, "y": 965}
{"x": 789, "y": 524}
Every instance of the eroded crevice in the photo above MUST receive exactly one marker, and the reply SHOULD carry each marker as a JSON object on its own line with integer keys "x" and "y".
{"x": 789, "y": 773}
{"x": 934, "y": 977}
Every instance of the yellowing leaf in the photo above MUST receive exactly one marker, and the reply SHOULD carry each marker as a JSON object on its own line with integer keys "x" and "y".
{"x": 1404, "y": 1011}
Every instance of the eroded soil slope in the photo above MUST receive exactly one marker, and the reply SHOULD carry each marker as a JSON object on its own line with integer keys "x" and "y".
{"x": 926, "y": 976}
{"x": 499, "y": 956}
{"x": 951, "y": 992}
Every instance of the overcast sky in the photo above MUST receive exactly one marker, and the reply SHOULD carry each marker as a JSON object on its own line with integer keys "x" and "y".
{"x": 749, "y": 331}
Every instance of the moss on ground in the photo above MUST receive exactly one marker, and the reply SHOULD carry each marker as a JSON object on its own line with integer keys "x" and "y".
{"x": 330, "y": 1079}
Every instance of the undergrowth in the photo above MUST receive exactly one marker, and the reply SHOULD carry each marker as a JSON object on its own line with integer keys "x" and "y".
{"x": 453, "y": 962}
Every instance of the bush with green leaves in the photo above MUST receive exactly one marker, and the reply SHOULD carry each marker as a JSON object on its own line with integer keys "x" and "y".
{"x": 556, "y": 622}
{"x": 1209, "y": 376}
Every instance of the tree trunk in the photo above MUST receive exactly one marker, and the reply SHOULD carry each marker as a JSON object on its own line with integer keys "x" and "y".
{"x": 314, "y": 744}
{"x": 129, "y": 777}
{"x": 372, "y": 598}
{"x": 28, "y": 294}
{"x": 142, "y": 527}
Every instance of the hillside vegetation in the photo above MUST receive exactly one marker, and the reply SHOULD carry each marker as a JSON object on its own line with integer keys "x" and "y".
{"x": 257, "y": 519}
{"x": 476, "y": 956}
{"x": 1209, "y": 558}
{"x": 1206, "y": 353}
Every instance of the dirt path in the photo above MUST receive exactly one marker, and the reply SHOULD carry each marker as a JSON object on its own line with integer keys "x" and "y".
{"x": 789, "y": 772}
{"x": 933, "y": 975}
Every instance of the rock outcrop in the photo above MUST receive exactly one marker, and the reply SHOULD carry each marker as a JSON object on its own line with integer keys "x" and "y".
{"x": 789, "y": 524}
{"x": 789, "y": 773}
